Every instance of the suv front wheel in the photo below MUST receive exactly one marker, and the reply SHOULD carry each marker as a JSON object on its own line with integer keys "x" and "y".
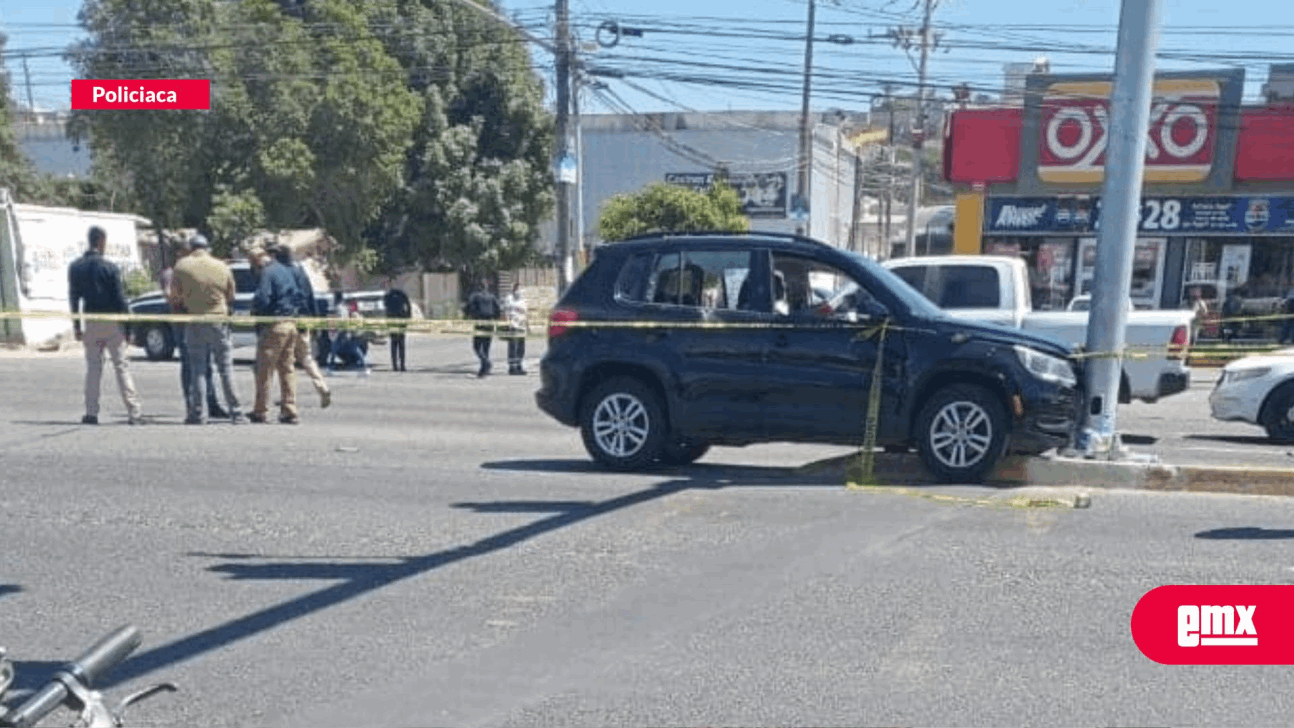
{"x": 962, "y": 433}
{"x": 623, "y": 424}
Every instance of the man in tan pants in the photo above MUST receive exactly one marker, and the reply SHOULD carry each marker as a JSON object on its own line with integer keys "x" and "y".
{"x": 94, "y": 286}
{"x": 307, "y": 306}
{"x": 277, "y": 296}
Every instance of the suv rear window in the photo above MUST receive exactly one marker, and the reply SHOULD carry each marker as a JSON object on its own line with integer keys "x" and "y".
{"x": 711, "y": 279}
{"x": 955, "y": 286}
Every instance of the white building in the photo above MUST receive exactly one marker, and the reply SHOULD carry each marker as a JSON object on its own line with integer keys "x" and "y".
{"x": 759, "y": 151}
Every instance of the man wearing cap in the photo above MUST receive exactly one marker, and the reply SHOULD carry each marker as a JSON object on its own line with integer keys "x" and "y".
{"x": 204, "y": 286}
{"x": 277, "y": 297}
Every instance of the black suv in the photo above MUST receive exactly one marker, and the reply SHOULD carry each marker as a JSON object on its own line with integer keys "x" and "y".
{"x": 668, "y": 344}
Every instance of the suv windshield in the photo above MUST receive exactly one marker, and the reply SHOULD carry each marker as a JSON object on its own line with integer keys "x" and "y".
{"x": 918, "y": 304}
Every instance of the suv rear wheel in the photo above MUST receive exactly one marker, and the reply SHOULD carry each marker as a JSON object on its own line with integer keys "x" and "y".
{"x": 962, "y": 433}
{"x": 623, "y": 424}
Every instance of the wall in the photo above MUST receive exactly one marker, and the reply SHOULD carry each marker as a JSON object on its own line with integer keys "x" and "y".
{"x": 621, "y": 157}
{"x": 46, "y": 241}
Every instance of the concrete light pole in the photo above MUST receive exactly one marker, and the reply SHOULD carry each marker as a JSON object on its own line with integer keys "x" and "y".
{"x": 1130, "y": 100}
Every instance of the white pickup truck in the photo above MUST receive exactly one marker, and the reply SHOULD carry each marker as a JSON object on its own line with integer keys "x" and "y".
{"x": 995, "y": 289}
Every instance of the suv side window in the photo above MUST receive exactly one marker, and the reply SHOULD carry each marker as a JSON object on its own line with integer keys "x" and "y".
{"x": 955, "y": 286}
{"x": 803, "y": 286}
{"x": 631, "y": 284}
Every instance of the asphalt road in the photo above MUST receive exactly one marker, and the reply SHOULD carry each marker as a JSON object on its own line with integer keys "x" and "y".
{"x": 434, "y": 551}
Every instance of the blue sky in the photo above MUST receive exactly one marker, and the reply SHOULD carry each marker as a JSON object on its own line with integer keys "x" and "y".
{"x": 751, "y": 51}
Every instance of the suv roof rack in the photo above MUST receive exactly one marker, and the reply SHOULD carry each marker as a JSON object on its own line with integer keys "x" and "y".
{"x": 727, "y": 233}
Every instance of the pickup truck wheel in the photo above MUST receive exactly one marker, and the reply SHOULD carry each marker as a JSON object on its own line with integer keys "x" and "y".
{"x": 1278, "y": 419}
{"x": 962, "y": 433}
{"x": 159, "y": 345}
{"x": 623, "y": 424}
{"x": 683, "y": 452}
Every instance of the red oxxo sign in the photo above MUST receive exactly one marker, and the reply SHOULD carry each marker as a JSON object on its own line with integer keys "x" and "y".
{"x": 1073, "y": 131}
{"x": 1216, "y": 625}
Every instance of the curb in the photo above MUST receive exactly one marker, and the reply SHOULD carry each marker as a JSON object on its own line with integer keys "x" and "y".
{"x": 1016, "y": 471}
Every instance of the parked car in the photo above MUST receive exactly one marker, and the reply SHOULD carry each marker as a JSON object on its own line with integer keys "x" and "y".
{"x": 157, "y": 336}
{"x": 1258, "y": 389}
{"x": 627, "y": 365}
{"x": 995, "y": 289}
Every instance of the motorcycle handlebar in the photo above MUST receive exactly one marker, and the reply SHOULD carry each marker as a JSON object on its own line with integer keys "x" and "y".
{"x": 92, "y": 664}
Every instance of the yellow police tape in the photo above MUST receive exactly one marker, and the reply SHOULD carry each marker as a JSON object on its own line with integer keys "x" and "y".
{"x": 862, "y": 476}
{"x": 502, "y": 329}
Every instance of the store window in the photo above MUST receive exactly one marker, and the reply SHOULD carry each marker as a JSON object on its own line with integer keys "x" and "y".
{"x": 1147, "y": 270}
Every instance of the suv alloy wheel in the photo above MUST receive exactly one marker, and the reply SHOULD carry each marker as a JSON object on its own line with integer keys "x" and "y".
{"x": 623, "y": 424}
{"x": 962, "y": 433}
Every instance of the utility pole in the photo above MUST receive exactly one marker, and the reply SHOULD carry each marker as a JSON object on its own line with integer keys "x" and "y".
{"x": 564, "y": 166}
{"x": 806, "y": 132}
{"x": 919, "y": 133}
{"x": 889, "y": 171}
{"x": 31, "y": 103}
{"x": 579, "y": 171}
{"x": 1130, "y": 99}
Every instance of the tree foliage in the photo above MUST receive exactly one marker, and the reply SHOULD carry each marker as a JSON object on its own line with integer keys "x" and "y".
{"x": 16, "y": 171}
{"x": 663, "y": 207}
{"x": 412, "y": 131}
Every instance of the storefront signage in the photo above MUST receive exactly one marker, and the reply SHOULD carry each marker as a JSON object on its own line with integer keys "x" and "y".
{"x": 1254, "y": 215}
{"x": 1075, "y": 124}
{"x": 1191, "y": 137}
{"x": 763, "y": 194}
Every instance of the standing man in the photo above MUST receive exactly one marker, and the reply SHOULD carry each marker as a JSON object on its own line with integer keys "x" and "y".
{"x": 518, "y": 326}
{"x": 276, "y": 297}
{"x": 305, "y": 357}
{"x": 398, "y": 306}
{"x": 483, "y": 306}
{"x": 204, "y": 286}
{"x": 177, "y": 332}
{"x": 94, "y": 286}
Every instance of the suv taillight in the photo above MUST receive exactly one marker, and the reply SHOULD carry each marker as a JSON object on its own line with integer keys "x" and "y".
{"x": 1177, "y": 345}
{"x": 558, "y": 317}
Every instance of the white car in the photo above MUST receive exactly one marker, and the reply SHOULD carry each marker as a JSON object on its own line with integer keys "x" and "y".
{"x": 1258, "y": 389}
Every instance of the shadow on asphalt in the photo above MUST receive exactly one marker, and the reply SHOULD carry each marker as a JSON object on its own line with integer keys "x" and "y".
{"x": 1236, "y": 439}
{"x": 359, "y": 579}
{"x": 1250, "y": 533}
{"x": 32, "y": 675}
{"x": 7, "y": 589}
{"x": 706, "y": 475}
{"x": 1139, "y": 439}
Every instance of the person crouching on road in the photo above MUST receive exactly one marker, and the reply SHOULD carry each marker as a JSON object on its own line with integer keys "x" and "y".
{"x": 96, "y": 281}
{"x": 276, "y": 297}
{"x": 305, "y": 357}
{"x": 204, "y": 286}
{"x": 518, "y": 326}
{"x": 483, "y": 306}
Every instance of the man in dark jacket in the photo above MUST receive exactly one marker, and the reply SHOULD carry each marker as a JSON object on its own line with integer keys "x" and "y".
{"x": 483, "y": 306}
{"x": 278, "y": 297}
{"x": 398, "y": 306}
{"x": 94, "y": 286}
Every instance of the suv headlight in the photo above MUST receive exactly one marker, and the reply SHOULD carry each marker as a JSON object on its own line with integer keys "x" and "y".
{"x": 1046, "y": 367}
{"x": 1240, "y": 375}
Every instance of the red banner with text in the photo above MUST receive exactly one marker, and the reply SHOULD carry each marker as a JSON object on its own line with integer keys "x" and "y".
{"x": 152, "y": 94}
{"x": 1216, "y": 625}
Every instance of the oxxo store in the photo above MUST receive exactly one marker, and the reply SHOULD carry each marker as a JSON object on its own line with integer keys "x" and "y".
{"x": 1217, "y": 210}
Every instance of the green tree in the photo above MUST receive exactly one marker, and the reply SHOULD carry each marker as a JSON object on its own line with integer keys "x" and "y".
{"x": 16, "y": 171}
{"x": 478, "y": 180}
{"x": 235, "y": 216}
{"x": 663, "y": 207}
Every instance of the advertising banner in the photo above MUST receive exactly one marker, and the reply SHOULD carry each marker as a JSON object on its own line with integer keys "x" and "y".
{"x": 763, "y": 194}
{"x": 1232, "y": 215}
